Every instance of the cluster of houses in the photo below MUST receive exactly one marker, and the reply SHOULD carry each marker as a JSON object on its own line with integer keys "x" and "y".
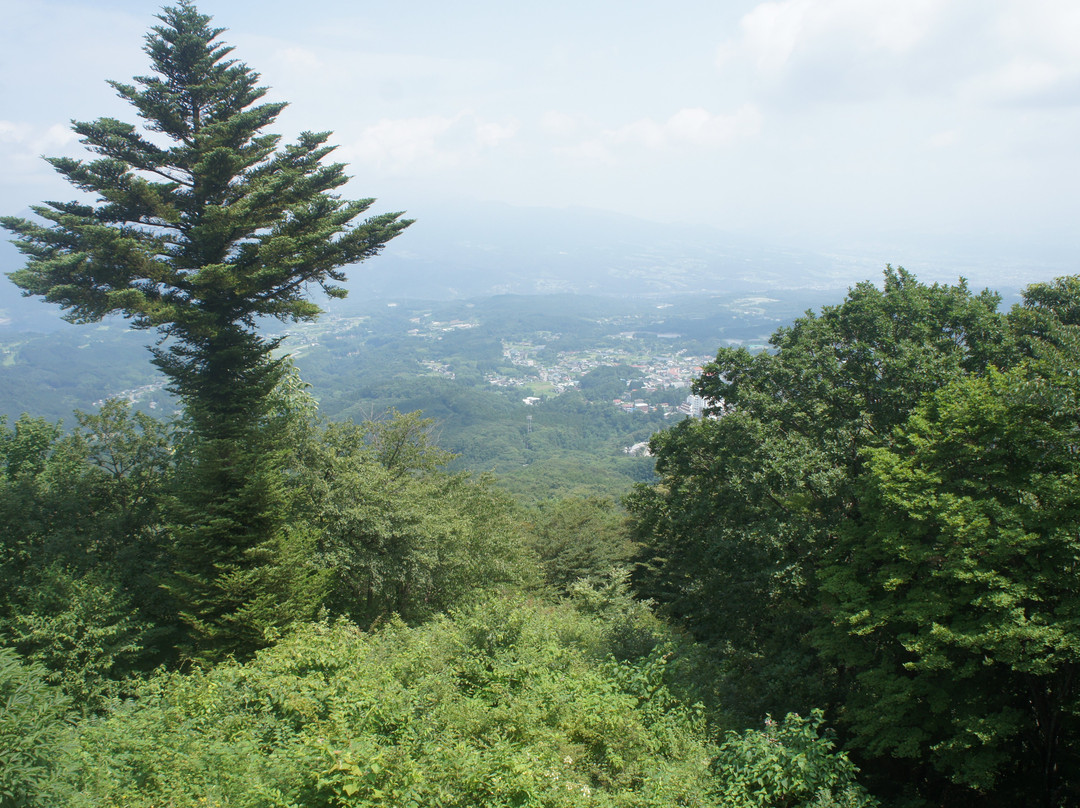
{"x": 693, "y": 406}
{"x": 652, "y": 374}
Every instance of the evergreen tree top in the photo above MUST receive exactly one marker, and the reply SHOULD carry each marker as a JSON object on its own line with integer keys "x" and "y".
{"x": 193, "y": 76}
{"x": 200, "y": 220}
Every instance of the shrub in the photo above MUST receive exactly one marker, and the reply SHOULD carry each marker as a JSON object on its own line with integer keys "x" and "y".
{"x": 788, "y": 764}
{"x": 36, "y": 742}
{"x": 508, "y": 702}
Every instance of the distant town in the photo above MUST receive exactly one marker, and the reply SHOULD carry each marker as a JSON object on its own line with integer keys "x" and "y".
{"x": 654, "y": 373}
{"x": 633, "y": 356}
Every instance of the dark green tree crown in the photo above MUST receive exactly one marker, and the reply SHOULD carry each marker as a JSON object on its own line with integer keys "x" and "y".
{"x": 198, "y": 224}
{"x": 200, "y": 221}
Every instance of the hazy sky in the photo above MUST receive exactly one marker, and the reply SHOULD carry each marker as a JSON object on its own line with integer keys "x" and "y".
{"x": 832, "y": 122}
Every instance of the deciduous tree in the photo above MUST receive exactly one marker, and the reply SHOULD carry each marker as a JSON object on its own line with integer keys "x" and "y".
{"x": 748, "y": 504}
{"x": 955, "y": 599}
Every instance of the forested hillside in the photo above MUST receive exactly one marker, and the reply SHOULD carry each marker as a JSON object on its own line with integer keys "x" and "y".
{"x": 467, "y": 364}
{"x": 853, "y": 582}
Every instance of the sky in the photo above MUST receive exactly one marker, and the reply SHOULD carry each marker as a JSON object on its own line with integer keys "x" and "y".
{"x": 944, "y": 127}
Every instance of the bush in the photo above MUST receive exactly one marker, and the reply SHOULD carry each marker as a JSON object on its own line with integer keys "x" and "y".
{"x": 579, "y": 537}
{"x": 509, "y": 702}
{"x": 83, "y": 630}
{"x": 788, "y": 764}
{"x": 36, "y": 742}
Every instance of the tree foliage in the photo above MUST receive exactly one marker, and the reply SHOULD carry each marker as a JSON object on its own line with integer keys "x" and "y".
{"x": 577, "y": 538}
{"x": 200, "y": 223}
{"x": 82, "y": 550}
{"x": 37, "y": 743}
{"x": 394, "y": 533}
{"x": 747, "y": 503}
{"x": 957, "y": 601}
{"x": 507, "y": 702}
{"x": 881, "y": 520}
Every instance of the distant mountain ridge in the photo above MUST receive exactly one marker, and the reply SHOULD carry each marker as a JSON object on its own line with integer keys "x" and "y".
{"x": 469, "y": 250}
{"x": 479, "y": 250}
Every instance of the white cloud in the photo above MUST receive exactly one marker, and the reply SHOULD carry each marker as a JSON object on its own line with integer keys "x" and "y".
{"x": 776, "y": 33}
{"x": 1048, "y": 27}
{"x": 986, "y": 51}
{"x": 37, "y": 139}
{"x": 1021, "y": 77}
{"x": 492, "y": 133}
{"x": 803, "y": 51}
{"x": 296, "y": 58}
{"x": 1039, "y": 61}
{"x": 399, "y": 144}
{"x": 22, "y": 146}
{"x": 771, "y": 32}
{"x": 691, "y": 126}
{"x": 593, "y": 151}
{"x": 11, "y": 132}
{"x": 943, "y": 139}
{"x": 402, "y": 145}
{"x": 700, "y": 128}
{"x": 558, "y": 123}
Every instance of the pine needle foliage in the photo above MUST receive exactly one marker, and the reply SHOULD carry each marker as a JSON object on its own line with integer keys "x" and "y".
{"x": 198, "y": 224}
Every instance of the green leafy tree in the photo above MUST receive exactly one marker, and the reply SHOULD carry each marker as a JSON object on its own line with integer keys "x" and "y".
{"x": 129, "y": 455}
{"x": 129, "y": 468}
{"x": 956, "y": 598}
{"x": 579, "y": 537}
{"x": 201, "y": 224}
{"x": 884, "y": 521}
{"x": 789, "y": 763}
{"x": 1047, "y": 319}
{"x": 82, "y": 551}
{"x": 608, "y": 382}
{"x": 395, "y": 534}
{"x": 34, "y": 508}
{"x": 748, "y": 504}
{"x": 88, "y": 500}
{"x": 84, "y": 630}
{"x": 405, "y": 444}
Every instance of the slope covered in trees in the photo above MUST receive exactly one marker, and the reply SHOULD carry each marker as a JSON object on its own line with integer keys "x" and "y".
{"x": 887, "y": 535}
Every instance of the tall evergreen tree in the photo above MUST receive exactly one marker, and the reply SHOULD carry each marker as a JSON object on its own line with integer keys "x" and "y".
{"x": 201, "y": 224}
